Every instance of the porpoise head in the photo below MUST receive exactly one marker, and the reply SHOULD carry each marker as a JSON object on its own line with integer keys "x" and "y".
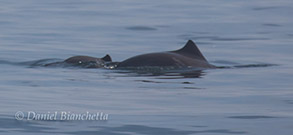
{"x": 88, "y": 62}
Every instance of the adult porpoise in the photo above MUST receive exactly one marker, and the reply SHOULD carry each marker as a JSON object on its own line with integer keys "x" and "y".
{"x": 187, "y": 57}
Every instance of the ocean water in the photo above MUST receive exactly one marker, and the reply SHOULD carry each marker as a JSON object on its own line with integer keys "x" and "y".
{"x": 249, "y": 100}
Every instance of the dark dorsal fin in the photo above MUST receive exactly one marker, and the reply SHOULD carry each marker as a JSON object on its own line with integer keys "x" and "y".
{"x": 191, "y": 50}
{"x": 107, "y": 58}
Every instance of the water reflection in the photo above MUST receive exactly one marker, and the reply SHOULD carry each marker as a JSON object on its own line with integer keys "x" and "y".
{"x": 163, "y": 73}
{"x": 141, "y": 28}
{"x": 158, "y": 72}
{"x": 42, "y": 127}
{"x": 252, "y": 117}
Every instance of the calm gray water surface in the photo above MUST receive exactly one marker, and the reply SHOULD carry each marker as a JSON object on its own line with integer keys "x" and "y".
{"x": 252, "y": 101}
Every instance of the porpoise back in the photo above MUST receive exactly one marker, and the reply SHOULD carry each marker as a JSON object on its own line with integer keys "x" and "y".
{"x": 187, "y": 57}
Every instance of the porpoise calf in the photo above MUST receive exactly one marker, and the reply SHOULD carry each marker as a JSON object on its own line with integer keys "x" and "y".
{"x": 89, "y": 62}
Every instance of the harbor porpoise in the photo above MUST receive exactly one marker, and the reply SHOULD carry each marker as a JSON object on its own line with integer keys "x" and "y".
{"x": 187, "y": 57}
{"x": 89, "y": 62}
{"x": 84, "y": 61}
